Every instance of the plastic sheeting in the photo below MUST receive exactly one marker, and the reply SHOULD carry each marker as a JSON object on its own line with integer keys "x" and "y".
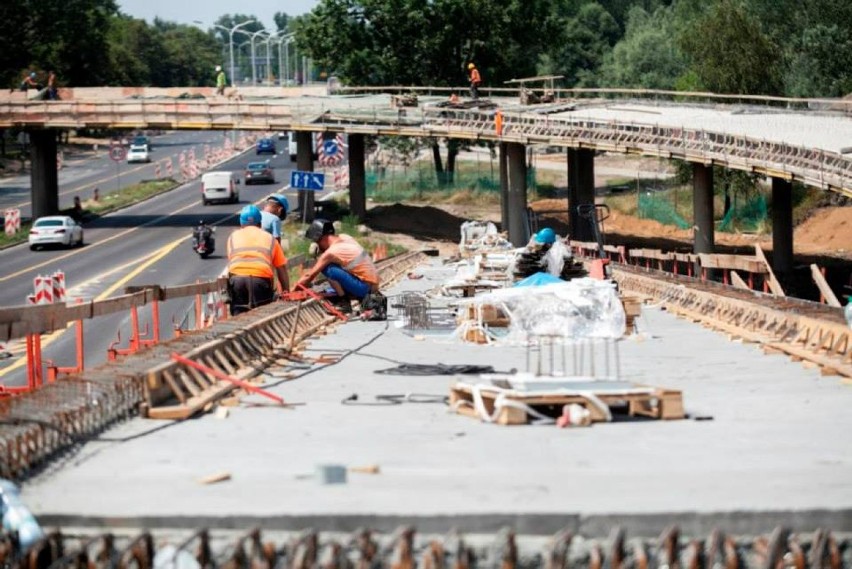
{"x": 481, "y": 235}
{"x": 579, "y": 309}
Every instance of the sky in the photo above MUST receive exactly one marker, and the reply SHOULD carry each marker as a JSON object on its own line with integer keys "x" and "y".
{"x": 208, "y": 11}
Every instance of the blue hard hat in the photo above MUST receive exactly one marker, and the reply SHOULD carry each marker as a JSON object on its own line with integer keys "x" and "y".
{"x": 250, "y": 215}
{"x": 282, "y": 201}
{"x": 33, "y": 75}
{"x": 546, "y": 236}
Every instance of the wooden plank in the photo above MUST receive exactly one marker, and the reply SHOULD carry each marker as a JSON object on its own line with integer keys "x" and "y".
{"x": 738, "y": 281}
{"x": 823, "y": 287}
{"x": 732, "y": 262}
{"x": 774, "y": 285}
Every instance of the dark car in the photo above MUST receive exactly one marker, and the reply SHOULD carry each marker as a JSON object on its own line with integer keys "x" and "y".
{"x": 265, "y": 145}
{"x": 259, "y": 172}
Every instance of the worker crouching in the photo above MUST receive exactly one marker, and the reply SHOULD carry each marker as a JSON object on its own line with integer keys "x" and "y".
{"x": 255, "y": 258}
{"x": 348, "y": 268}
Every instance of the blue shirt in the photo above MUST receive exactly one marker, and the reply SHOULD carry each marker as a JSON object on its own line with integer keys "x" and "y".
{"x": 270, "y": 223}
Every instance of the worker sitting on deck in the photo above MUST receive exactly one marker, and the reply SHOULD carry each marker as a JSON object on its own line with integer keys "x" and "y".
{"x": 349, "y": 269}
{"x": 254, "y": 259}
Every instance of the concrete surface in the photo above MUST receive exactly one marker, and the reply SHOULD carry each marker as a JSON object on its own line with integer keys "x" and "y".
{"x": 775, "y": 450}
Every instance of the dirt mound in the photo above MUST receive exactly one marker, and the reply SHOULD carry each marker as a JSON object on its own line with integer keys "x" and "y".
{"x": 827, "y": 229}
{"x": 424, "y": 222}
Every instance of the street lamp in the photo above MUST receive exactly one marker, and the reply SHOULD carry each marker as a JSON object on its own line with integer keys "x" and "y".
{"x": 268, "y": 49}
{"x": 282, "y": 71}
{"x": 253, "y": 62}
{"x": 287, "y": 42}
{"x": 240, "y": 51}
{"x": 231, "y": 32}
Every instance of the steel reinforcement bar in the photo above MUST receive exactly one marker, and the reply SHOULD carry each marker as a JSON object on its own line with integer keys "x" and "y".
{"x": 404, "y": 549}
{"x": 40, "y": 424}
{"x": 804, "y": 330}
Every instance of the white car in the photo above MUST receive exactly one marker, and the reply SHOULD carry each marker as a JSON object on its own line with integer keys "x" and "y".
{"x": 55, "y": 230}
{"x": 138, "y": 154}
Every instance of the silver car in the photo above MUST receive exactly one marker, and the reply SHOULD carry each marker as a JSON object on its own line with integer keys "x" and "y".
{"x": 55, "y": 230}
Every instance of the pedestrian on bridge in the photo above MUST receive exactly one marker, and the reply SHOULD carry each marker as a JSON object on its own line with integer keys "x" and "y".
{"x": 221, "y": 81}
{"x": 347, "y": 267}
{"x": 475, "y": 80}
{"x": 255, "y": 259}
{"x": 29, "y": 82}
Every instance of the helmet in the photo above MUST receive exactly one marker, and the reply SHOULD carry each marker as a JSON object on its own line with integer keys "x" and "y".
{"x": 218, "y": 68}
{"x": 318, "y": 229}
{"x": 250, "y": 215}
{"x": 33, "y": 75}
{"x": 546, "y": 236}
{"x": 470, "y": 65}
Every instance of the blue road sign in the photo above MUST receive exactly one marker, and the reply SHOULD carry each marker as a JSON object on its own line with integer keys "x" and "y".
{"x": 329, "y": 147}
{"x": 306, "y": 180}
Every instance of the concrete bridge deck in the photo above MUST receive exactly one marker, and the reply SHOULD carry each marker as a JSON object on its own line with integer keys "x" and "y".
{"x": 772, "y": 453}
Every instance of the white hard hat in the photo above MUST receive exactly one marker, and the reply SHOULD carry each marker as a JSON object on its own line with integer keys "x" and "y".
{"x": 218, "y": 68}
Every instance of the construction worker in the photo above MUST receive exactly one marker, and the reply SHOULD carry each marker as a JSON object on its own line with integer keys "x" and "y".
{"x": 475, "y": 80}
{"x": 347, "y": 267}
{"x": 274, "y": 210}
{"x": 255, "y": 258}
{"x": 221, "y": 81}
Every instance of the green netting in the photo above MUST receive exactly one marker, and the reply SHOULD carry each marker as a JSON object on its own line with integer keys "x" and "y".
{"x": 659, "y": 207}
{"x": 750, "y": 216}
{"x": 396, "y": 184}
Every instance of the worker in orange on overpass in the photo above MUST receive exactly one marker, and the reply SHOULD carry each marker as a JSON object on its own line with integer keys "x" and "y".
{"x": 255, "y": 258}
{"x": 475, "y": 80}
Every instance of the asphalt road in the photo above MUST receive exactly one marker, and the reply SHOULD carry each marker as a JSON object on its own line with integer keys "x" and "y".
{"x": 148, "y": 243}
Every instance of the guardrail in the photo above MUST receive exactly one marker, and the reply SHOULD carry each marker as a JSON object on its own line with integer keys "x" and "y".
{"x": 815, "y": 167}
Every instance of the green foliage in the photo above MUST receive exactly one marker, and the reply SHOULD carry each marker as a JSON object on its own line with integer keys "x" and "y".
{"x": 730, "y": 54}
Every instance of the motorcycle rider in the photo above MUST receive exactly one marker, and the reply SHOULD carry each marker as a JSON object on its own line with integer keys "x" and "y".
{"x": 203, "y": 233}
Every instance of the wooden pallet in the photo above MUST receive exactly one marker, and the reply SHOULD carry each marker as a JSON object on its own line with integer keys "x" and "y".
{"x": 641, "y": 401}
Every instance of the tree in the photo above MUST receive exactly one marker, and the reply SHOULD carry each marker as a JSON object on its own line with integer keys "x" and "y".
{"x": 729, "y": 53}
{"x": 282, "y": 21}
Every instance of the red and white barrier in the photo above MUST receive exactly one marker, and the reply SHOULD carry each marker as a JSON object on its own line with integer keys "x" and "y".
{"x": 59, "y": 292}
{"x": 43, "y": 290}
{"x": 169, "y": 168}
{"x": 157, "y": 170}
{"x": 60, "y": 159}
{"x": 13, "y": 220}
{"x": 341, "y": 178}
{"x": 31, "y": 299}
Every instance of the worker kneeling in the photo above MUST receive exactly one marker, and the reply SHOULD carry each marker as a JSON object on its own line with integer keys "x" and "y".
{"x": 254, "y": 259}
{"x": 348, "y": 268}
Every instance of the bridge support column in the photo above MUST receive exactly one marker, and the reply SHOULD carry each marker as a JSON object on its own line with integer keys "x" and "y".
{"x": 782, "y": 225}
{"x": 305, "y": 163}
{"x": 516, "y": 208}
{"x": 44, "y": 178}
{"x": 504, "y": 186}
{"x": 702, "y": 204}
{"x": 581, "y": 190}
{"x": 357, "y": 177}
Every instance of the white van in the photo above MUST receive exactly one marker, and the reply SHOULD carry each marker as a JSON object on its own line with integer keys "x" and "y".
{"x": 219, "y": 186}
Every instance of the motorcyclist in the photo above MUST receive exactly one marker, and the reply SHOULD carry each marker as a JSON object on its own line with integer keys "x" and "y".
{"x": 203, "y": 233}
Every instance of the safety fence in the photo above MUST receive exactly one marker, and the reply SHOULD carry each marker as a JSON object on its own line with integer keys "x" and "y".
{"x": 405, "y": 549}
{"x": 47, "y": 417}
{"x": 815, "y": 167}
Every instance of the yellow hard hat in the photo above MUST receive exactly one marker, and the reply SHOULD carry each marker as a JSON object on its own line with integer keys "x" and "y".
{"x": 470, "y": 65}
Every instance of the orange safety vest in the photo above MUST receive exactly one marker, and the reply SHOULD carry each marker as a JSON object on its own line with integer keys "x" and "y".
{"x": 354, "y": 259}
{"x": 474, "y": 76}
{"x": 250, "y": 252}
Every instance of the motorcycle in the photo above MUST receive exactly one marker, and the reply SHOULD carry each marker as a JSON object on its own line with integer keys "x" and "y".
{"x": 203, "y": 241}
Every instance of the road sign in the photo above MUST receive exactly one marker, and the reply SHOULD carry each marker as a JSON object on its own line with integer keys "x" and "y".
{"x": 117, "y": 153}
{"x": 306, "y": 180}
{"x": 329, "y": 147}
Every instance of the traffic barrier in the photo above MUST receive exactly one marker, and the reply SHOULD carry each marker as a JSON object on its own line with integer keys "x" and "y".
{"x": 13, "y": 220}
{"x": 58, "y": 280}
{"x": 60, "y": 159}
{"x": 43, "y": 290}
{"x": 157, "y": 171}
{"x": 169, "y": 168}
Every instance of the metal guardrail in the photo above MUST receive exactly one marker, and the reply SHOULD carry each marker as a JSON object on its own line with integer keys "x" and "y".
{"x": 815, "y": 167}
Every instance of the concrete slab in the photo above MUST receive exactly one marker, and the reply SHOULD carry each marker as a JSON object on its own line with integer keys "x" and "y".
{"x": 774, "y": 450}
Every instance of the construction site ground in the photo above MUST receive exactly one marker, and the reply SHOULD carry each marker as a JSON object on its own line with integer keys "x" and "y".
{"x": 763, "y": 444}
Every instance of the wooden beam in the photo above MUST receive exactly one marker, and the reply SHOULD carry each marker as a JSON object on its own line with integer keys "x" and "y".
{"x": 774, "y": 285}
{"x": 824, "y": 289}
{"x": 737, "y": 281}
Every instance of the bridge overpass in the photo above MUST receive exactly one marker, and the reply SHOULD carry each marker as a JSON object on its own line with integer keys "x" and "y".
{"x": 784, "y": 139}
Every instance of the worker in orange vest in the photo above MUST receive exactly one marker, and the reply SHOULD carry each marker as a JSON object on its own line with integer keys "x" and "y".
{"x": 475, "y": 80}
{"x": 347, "y": 267}
{"x": 255, "y": 258}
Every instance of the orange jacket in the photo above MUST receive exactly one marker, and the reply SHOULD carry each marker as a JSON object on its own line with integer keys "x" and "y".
{"x": 252, "y": 252}
{"x": 351, "y": 257}
{"x": 474, "y": 76}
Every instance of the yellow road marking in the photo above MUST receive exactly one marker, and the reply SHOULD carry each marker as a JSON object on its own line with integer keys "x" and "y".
{"x": 50, "y": 338}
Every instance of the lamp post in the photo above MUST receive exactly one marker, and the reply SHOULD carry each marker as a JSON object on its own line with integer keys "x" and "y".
{"x": 287, "y": 42}
{"x": 253, "y": 62}
{"x": 268, "y": 50}
{"x": 231, "y": 32}
{"x": 282, "y": 71}
{"x": 240, "y": 61}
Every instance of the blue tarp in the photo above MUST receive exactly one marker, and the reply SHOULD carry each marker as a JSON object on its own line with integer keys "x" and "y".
{"x": 539, "y": 279}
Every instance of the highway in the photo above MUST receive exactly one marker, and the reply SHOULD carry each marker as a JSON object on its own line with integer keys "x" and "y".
{"x": 148, "y": 243}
